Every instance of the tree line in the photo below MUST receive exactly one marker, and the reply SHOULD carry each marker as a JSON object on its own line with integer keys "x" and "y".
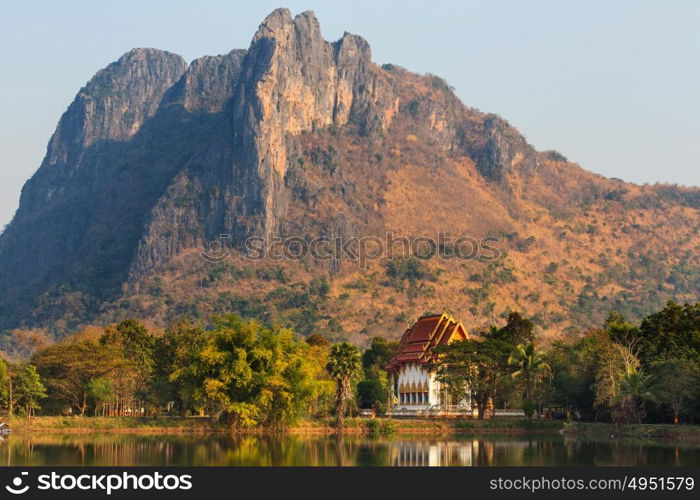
{"x": 248, "y": 374}
{"x": 621, "y": 372}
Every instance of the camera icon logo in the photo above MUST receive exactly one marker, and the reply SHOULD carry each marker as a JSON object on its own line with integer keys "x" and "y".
{"x": 216, "y": 251}
{"x": 17, "y": 488}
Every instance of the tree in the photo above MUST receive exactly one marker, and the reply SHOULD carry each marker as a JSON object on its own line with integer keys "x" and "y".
{"x": 68, "y": 368}
{"x": 518, "y": 330}
{"x": 622, "y": 387}
{"x": 134, "y": 340}
{"x": 99, "y": 390}
{"x": 318, "y": 339}
{"x": 24, "y": 343}
{"x": 29, "y": 390}
{"x": 379, "y": 353}
{"x": 676, "y": 383}
{"x": 374, "y": 390}
{"x": 248, "y": 374}
{"x": 321, "y": 399}
{"x": 633, "y": 392}
{"x": 619, "y": 329}
{"x": 343, "y": 366}
{"x": 174, "y": 352}
{"x": 5, "y": 385}
{"x": 132, "y": 380}
{"x": 474, "y": 368}
{"x": 673, "y": 331}
{"x": 531, "y": 368}
{"x": 574, "y": 368}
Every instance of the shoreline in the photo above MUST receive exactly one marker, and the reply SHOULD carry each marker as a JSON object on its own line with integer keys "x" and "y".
{"x": 359, "y": 427}
{"x": 653, "y": 432}
{"x": 353, "y": 426}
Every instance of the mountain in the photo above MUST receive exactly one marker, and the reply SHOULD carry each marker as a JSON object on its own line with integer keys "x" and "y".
{"x": 161, "y": 175}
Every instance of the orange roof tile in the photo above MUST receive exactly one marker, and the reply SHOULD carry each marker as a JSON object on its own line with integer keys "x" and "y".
{"x": 428, "y": 332}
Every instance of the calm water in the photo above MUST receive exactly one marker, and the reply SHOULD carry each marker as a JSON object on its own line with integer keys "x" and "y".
{"x": 132, "y": 449}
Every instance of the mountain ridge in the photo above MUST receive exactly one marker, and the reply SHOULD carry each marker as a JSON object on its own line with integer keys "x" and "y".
{"x": 155, "y": 159}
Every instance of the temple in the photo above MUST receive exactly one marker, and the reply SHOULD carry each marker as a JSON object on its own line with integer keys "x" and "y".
{"x": 416, "y": 389}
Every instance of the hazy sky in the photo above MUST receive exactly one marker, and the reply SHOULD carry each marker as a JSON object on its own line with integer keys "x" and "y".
{"x": 613, "y": 85}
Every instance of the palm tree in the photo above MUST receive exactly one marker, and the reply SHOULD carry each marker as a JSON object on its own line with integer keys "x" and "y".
{"x": 531, "y": 369}
{"x": 343, "y": 365}
{"x": 632, "y": 393}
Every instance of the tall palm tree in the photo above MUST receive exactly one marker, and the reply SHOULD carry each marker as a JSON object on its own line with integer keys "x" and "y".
{"x": 633, "y": 392}
{"x": 343, "y": 365}
{"x": 531, "y": 368}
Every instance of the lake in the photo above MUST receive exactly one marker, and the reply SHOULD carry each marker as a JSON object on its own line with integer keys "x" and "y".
{"x": 217, "y": 449}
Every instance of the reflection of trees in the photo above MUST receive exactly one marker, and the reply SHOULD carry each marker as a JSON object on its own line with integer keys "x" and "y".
{"x": 220, "y": 449}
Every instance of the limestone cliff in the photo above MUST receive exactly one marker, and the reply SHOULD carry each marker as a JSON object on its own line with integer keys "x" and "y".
{"x": 298, "y": 136}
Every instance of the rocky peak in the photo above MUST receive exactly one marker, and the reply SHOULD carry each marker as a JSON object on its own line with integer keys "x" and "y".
{"x": 208, "y": 83}
{"x": 274, "y": 24}
{"x": 502, "y": 151}
{"x": 352, "y": 47}
{"x": 294, "y": 81}
{"x": 115, "y": 102}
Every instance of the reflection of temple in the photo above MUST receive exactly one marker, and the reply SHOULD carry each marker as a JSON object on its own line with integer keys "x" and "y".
{"x": 416, "y": 390}
{"x": 430, "y": 454}
{"x": 468, "y": 452}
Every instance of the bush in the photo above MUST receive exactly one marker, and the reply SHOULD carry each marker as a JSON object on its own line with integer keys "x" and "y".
{"x": 529, "y": 409}
{"x": 380, "y": 427}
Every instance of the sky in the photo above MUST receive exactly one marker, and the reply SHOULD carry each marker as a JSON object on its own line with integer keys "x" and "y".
{"x": 614, "y": 86}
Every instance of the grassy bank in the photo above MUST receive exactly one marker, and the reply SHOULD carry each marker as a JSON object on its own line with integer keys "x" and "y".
{"x": 686, "y": 433}
{"x": 378, "y": 426}
{"x": 156, "y": 425}
{"x": 360, "y": 426}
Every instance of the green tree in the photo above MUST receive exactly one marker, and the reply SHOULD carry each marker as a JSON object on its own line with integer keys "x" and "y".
{"x": 374, "y": 390}
{"x": 676, "y": 384}
{"x": 248, "y": 374}
{"x": 620, "y": 330}
{"x": 29, "y": 390}
{"x": 531, "y": 368}
{"x": 518, "y": 330}
{"x": 133, "y": 380}
{"x": 574, "y": 368}
{"x": 632, "y": 394}
{"x": 321, "y": 400}
{"x": 175, "y": 352}
{"x": 672, "y": 332}
{"x": 379, "y": 353}
{"x": 318, "y": 339}
{"x": 5, "y": 384}
{"x": 68, "y": 367}
{"x": 474, "y": 368}
{"x": 344, "y": 367}
{"x": 99, "y": 390}
{"x": 135, "y": 341}
{"x": 622, "y": 387}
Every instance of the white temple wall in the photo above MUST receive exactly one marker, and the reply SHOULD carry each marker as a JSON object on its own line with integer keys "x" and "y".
{"x": 411, "y": 381}
{"x": 413, "y": 378}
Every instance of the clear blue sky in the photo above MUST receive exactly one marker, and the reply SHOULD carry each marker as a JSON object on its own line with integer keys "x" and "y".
{"x": 614, "y": 85}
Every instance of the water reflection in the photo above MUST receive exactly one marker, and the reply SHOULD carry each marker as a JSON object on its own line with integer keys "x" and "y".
{"x": 164, "y": 450}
